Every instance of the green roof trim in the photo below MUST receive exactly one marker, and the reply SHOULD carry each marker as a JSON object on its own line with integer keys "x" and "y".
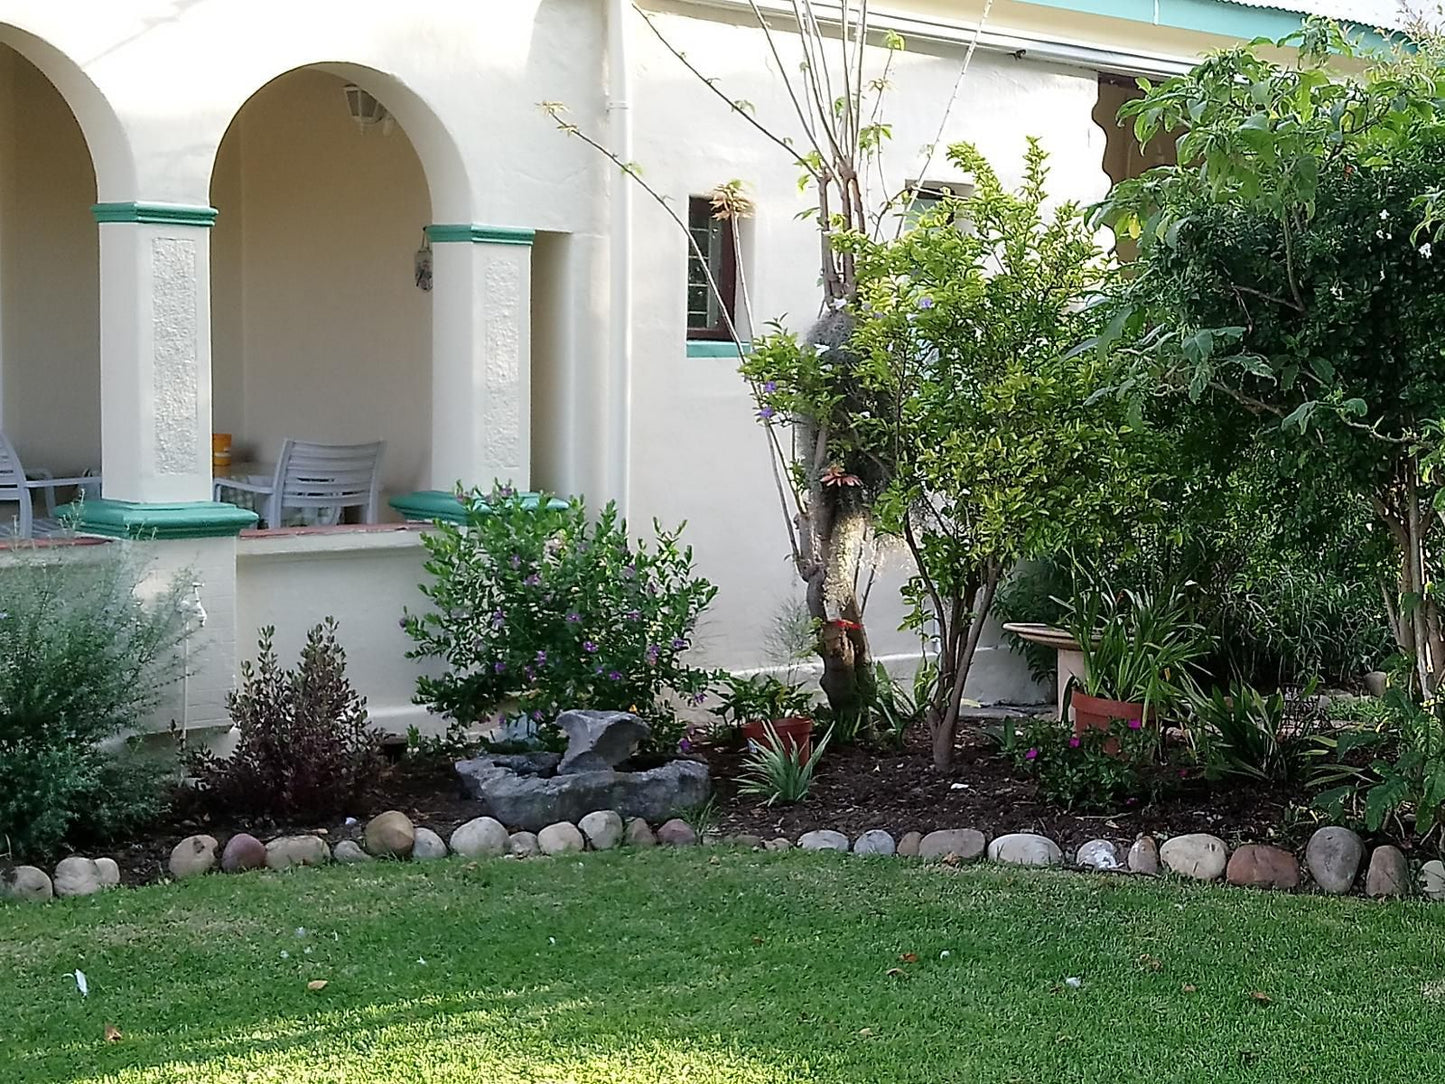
{"x": 474, "y": 233}
{"x": 163, "y": 214}
{"x": 716, "y": 348}
{"x": 438, "y": 505}
{"x": 1223, "y": 18}
{"x": 135, "y": 519}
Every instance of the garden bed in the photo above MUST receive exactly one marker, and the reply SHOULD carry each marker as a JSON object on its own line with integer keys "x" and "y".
{"x": 857, "y": 789}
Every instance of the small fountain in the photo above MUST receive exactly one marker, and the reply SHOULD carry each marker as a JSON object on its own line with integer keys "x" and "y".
{"x": 532, "y": 790}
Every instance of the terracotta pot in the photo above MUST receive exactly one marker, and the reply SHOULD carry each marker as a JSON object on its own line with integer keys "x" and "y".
{"x": 1096, "y": 713}
{"x": 794, "y": 732}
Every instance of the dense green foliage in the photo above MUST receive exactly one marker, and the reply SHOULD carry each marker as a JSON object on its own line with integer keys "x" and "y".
{"x": 84, "y": 657}
{"x": 715, "y": 967}
{"x": 779, "y": 771}
{"x": 305, "y": 749}
{"x": 539, "y": 608}
{"x": 959, "y": 408}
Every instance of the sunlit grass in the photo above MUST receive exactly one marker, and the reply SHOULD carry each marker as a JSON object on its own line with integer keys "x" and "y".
{"x": 707, "y": 967}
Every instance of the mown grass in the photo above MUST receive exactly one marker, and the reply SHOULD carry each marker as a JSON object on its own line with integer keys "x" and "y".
{"x": 716, "y": 966}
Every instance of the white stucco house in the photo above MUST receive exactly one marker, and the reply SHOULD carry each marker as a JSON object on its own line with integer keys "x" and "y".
{"x": 213, "y": 214}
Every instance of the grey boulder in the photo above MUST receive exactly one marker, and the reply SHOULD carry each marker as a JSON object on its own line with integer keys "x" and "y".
{"x": 1025, "y": 849}
{"x": 428, "y": 846}
{"x": 875, "y": 841}
{"x": 1144, "y": 857}
{"x": 533, "y": 802}
{"x": 524, "y": 845}
{"x": 1333, "y": 856}
{"x": 603, "y": 829}
{"x": 676, "y": 833}
{"x": 824, "y": 839}
{"x": 598, "y": 741}
{"x": 194, "y": 856}
{"x": 638, "y": 834}
{"x": 27, "y": 883}
{"x": 480, "y": 837}
{"x": 349, "y": 852}
{"x": 1099, "y": 854}
{"x": 77, "y": 876}
{"x": 1198, "y": 855}
{"x": 1389, "y": 873}
{"x": 289, "y": 851}
{"x": 561, "y": 838}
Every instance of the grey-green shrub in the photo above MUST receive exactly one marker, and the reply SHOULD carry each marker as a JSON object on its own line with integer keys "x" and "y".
{"x": 84, "y": 657}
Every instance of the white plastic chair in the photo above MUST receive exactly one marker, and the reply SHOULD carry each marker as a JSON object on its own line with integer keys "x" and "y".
{"x": 16, "y": 487}
{"x": 322, "y": 479}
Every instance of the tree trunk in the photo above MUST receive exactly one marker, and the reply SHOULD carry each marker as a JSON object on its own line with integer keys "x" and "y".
{"x": 960, "y": 647}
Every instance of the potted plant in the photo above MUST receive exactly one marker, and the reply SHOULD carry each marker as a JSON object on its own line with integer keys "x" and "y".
{"x": 769, "y": 711}
{"x": 1137, "y": 647}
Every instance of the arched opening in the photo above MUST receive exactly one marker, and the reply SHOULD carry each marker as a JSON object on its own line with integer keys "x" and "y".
{"x": 49, "y": 286}
{"x": 320, "y": 331}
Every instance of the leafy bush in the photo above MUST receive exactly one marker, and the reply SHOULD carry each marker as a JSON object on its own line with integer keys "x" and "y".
{"x": 83, "y": 658}
{"x": 305, "y": 749}
{"x": 762, "y": 698}
{"x": 1248, "y": 734}
{"x": 1098, "y": 769}
{"x": 1403, "y": 787}
{"x": 779, "y": 772}
{"x": 540, "y": 608}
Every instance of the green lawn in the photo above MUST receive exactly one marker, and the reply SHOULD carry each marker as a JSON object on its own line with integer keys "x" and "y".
{"x": 718, "y": 966}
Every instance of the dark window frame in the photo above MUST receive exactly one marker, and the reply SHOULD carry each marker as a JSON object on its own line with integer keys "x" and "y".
{"x": 727, "y": 274}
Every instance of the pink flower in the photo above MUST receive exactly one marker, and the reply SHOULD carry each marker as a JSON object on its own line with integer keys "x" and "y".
{"x": 1031, "y": 754}
{"x": 1074, "y": 742}
{"x": 1135, "y": 724}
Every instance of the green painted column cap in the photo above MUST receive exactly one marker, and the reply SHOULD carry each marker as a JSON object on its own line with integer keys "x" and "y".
{"x": 165, "y": 214}
{"x": 136, "y": 519}
{"x": 476, "y": 233}
{"x": 432, "y": 505}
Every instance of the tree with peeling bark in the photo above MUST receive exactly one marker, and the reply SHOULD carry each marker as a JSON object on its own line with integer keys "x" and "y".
{"x": 1290, "y": 271}
{"x": 970, "y": 413}
{"x": 836, "y": 137}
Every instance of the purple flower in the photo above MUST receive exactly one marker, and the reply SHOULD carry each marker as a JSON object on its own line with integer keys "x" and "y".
{"x": 541, "y": 658}
{"x": 1074, "y": 742}
{"x": 652, "y": 652}
{"x": 678, "y": 643}
{"x": 537, "y": 716}
{"x": 574, "y": 618}
{"x": 684, "y": 746}
{"x": 499, "y": 666}
{"x": 629, "y": 572}
{"x": 1032, "y": 754}
{"x": 589, "y": 646}
{"x": 533, "y": 580}
{"x": 634, "y": 615}
{"x": 925, "y": 302}
{"x": 505, "y": 492}
{"x": 498, "y": 619}
{"x": 516, "y": 561}
{"x": 1135, "y": 724}
{"x": 615, "y": 675}
{"x": 696, "y": 698}
{"x": 770, "y": 387}
{"x": 529, "y": 673}
{"x": 765, "y": 413}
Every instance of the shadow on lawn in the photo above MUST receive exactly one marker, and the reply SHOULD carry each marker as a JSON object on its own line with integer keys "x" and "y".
{"x": 537, "y": 1036}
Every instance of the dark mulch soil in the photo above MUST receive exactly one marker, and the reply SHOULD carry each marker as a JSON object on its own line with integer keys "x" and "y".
{"x": 857, "y": 789}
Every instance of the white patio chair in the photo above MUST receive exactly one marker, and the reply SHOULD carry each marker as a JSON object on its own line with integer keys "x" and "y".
{"x": 16, "y": 487}
{"x": 321, "y": 479}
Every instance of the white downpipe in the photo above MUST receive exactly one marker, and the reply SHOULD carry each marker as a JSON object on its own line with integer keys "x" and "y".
{"x": 619, "y": 113}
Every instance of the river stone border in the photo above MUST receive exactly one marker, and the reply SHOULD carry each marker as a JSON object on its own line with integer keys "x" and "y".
{"x": 1334, "y": 860}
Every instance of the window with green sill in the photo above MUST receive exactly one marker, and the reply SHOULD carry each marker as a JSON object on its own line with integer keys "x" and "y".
{"x": 709, "y": 312}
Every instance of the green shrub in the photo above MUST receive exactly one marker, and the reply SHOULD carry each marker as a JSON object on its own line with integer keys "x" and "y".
{"x": 305, "y": 748}
{"x": 539, "y": 608}
{"x": 1248, "y": 734}
{"x": 1098, "y": 769}
{"x": 83, "y": 658}
{"x": 777, "y": 771}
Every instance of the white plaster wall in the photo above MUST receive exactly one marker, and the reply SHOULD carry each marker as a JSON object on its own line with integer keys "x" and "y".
{"x": 293, "y": 581}
{"x": 49, "y": 276}
{"x": 320, "y": 332}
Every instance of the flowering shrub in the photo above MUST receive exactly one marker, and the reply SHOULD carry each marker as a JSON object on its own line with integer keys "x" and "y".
{"x": 538, "y": 609}
{"x": 1100, "y": 768}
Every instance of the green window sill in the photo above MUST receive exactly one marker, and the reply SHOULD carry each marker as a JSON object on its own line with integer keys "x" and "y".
{"x": 711, "y": 348}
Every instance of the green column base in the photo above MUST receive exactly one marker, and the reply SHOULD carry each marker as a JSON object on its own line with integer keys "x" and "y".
{"x": 136, "y": 519}
{"x": 433, "y": 505}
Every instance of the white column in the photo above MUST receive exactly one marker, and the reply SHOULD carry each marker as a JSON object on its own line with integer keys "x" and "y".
{"x": 481, "y": 356}
{"x": 155, "y": 352}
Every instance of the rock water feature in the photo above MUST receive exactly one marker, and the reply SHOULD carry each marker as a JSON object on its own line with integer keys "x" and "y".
{"x": 533, "y": 790}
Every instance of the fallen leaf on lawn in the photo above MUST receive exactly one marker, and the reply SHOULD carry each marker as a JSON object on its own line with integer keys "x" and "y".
{"x": 80, "y": 983}
{"x": 1189, "y": 988}
{"x": 316, "y": 984}
{"x": 714, "y": 861}
{"x": 112, "y": 1033}
{"x": 1152, "y": 963}
{"x": 909, "y": 957}
{"x": 897, "y": 973}
{"x": 1073, "y": 982}
{"x": 1433, "y": 990}
{"x": 757, "y": 940}
{"x": 865, "y": 1032}
{"x": 1259, "y": 996}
